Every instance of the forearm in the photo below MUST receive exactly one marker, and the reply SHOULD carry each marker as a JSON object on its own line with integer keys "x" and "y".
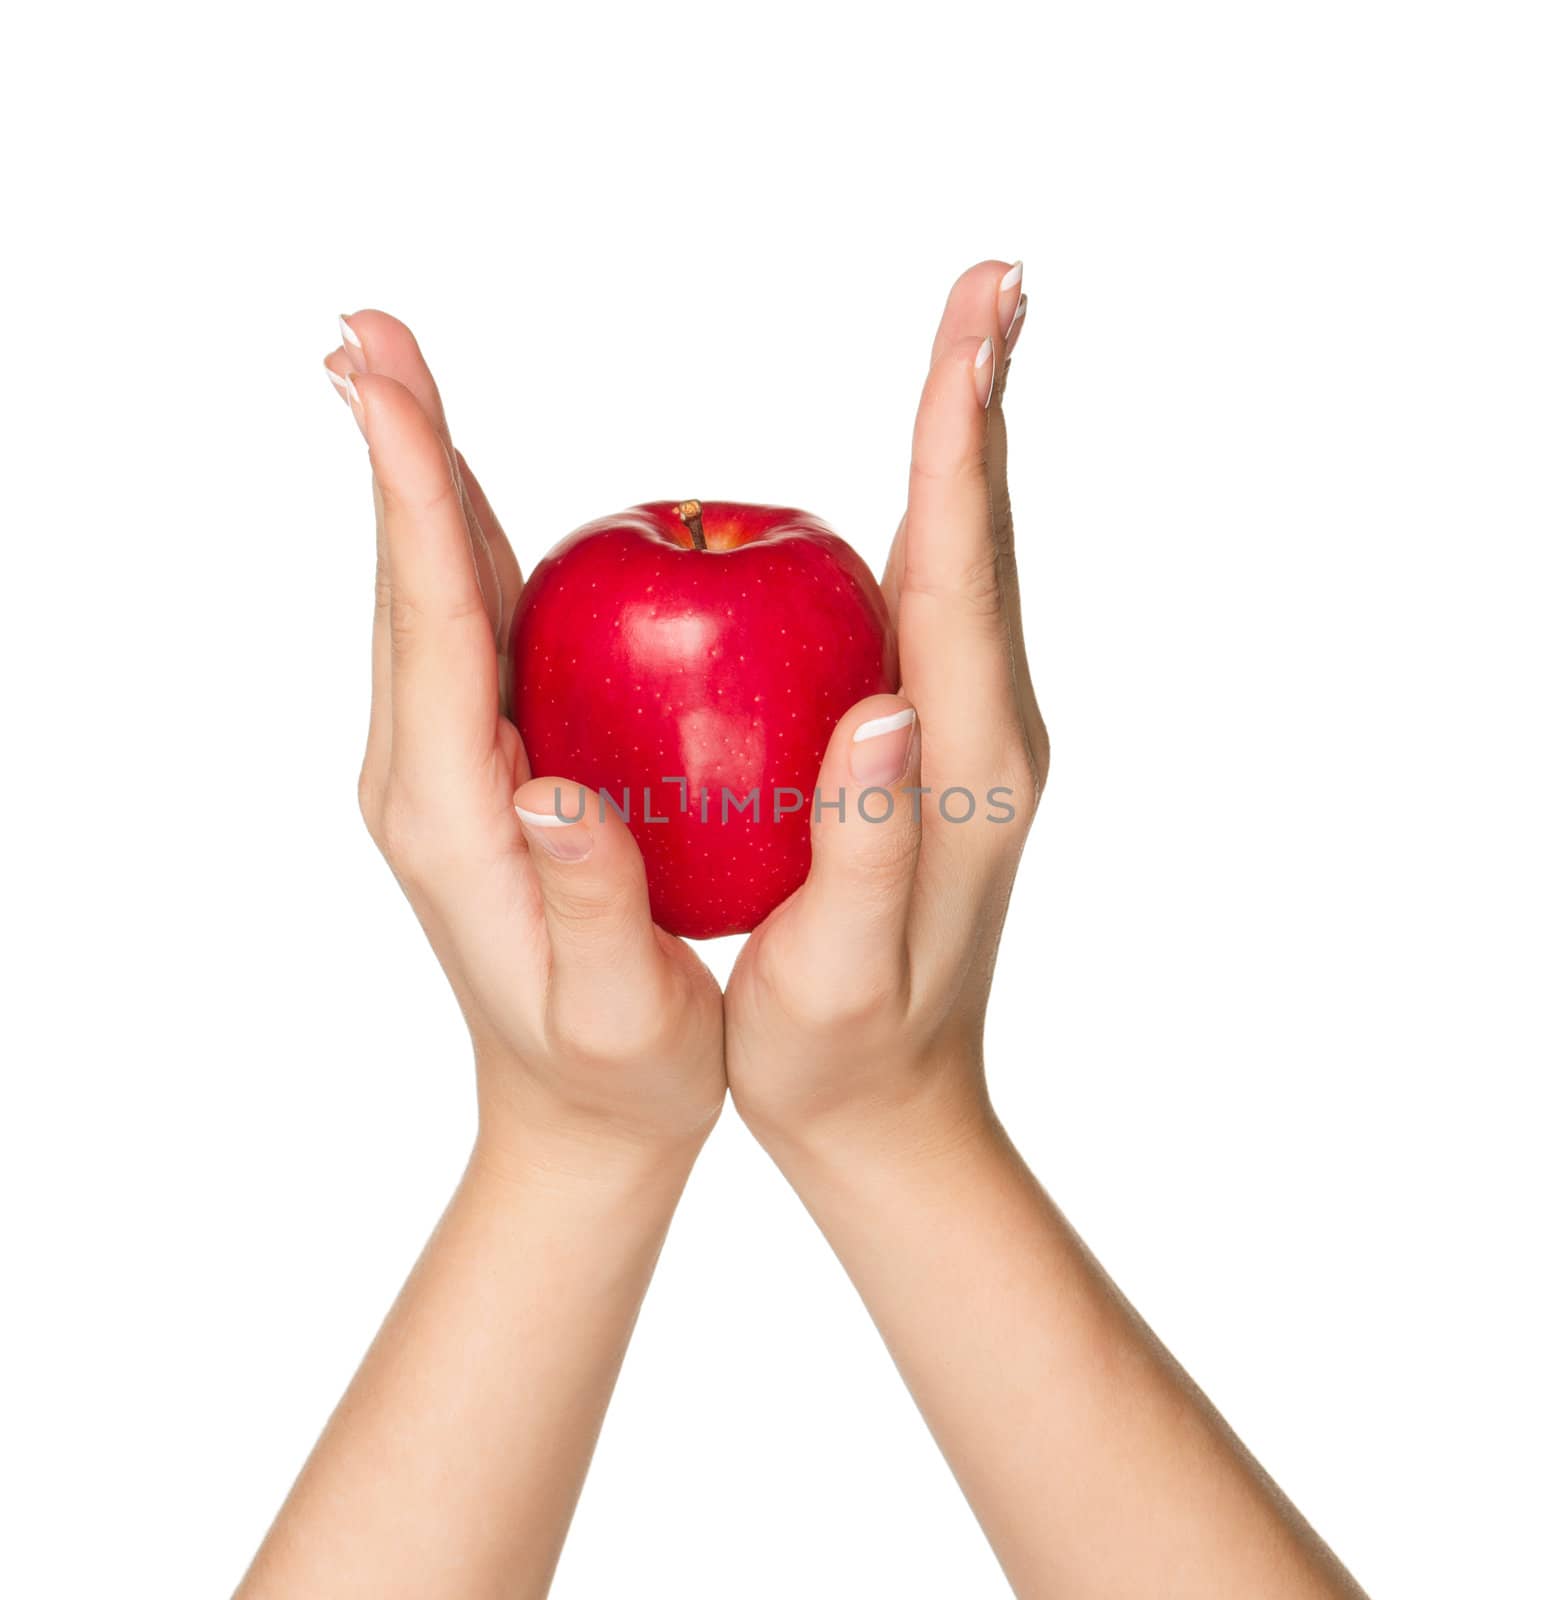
{"x": 453, "y": 1463}
{"x": 1092, "y": 1461}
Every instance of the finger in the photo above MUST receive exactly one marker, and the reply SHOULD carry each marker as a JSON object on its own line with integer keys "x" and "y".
{"x": 953, "y": 628}
{"x": 507, "y": 568}
{"x": 981, "y": 305}
{"x": 605, "y": 954}
{"x": 375, "y": 341}
{"x": 894, "y": 566}
{"x": 376, "y": 757}
{"x": 968, "y": 676}
{"x": 507, "y": 571}
{"x": 866, "y": 837}
{"x": 341, "y": 376}
{"x": 1004, "y": 543}
{"x": 1011, "y": 296}
{"x": 1017, "y": 327}
{"x": 443, "y": 672}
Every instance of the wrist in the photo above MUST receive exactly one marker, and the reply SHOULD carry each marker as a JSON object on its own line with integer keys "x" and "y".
{"x": 533, "y": 1140}
{"x": 593, "y": 1189}
{"x": 531, "y": 1125}
{"x": 901, "y": 1187}
{"x": 940, "y": 1119}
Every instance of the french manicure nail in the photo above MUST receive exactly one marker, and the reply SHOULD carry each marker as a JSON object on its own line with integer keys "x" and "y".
{"x": 881, "y": 748}
{"x": 986, "y": 373}
{"x": 352, "y": 345}
{"x": 349, "y": 392}
{"x": 1019, "y": 311}
{"x": 564, "y": 841}
{"x": 1009, "y": 296}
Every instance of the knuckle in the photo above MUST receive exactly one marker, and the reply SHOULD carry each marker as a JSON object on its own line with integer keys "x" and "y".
{"x": 589, "y": 1037}
{"x": 419, "y": 501}
{"x": 594, "y": 906}
{"x": 472, "y": 606}
{"x": 832, "y": 1007}
{"x": 975, "y": 586}
{"x": 940, "y": 469}
{"x": 1022, "y": 778}
{"x": 826, "y": 999}
{"x": 402, "y": 835}
{"x": 638, "y": 1025}
{"x": 980, "y": 588}
{"x": 430, "y": 839}
{"x": 879, "y": 864}
{"x": 410, "y": 620}
{"x": 404, "y": 618}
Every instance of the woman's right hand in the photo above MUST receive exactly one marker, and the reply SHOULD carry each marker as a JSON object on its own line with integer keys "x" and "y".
{"x": 854, "y": 1014}
{"x": 854, "y": 1050}
{"x": 589, "y": 1023}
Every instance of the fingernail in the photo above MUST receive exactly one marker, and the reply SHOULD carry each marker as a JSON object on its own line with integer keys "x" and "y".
{"x": 353, "y": 345}
{"x": 986, "y": 371}
{"x": 1009, "y": 295}
{"x": 349, "y": 392}
{"x": 1014, "y": 327}
{"x": 564, "y": 841}
{"x": 881, "y": 748}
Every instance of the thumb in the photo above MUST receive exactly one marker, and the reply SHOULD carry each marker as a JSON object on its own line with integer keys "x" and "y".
{"x": 593, "y": 891}
{"x": 866, "y": 832}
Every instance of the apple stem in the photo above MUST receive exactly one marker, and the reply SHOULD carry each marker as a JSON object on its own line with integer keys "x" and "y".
{"x": 689, "y": 513}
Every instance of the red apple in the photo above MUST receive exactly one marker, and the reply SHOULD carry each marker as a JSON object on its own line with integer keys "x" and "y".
{"x": 691, "y": 655}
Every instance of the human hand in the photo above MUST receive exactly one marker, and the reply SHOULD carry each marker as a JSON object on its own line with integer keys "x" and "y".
{"x": 855, "y": 1011}
{"x": 587, "y": 1021}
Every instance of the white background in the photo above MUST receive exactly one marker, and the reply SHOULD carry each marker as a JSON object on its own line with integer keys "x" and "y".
{"x": 1276, "y": 1017}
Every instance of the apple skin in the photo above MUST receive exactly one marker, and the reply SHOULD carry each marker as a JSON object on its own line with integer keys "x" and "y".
{"x": 637, "y": 657}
